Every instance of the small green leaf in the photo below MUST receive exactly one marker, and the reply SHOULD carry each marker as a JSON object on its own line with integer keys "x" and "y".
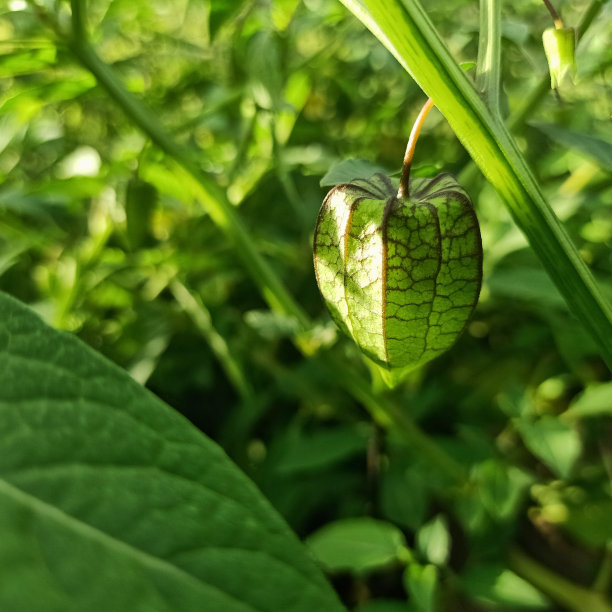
{"x": 271, "y": 325}
{"x": 560, "y": 49}
{"x": 382, "y": 605}
{"x": 357, "y": 545}
{"x": 433, "y": 541}
{"x": 320, "y": 450}
{"x": 110, "y": 498}
{"x": 221, "y": 11}
{"x": 499, "y": 586}
{"x": 264, "y": 69}
{"x": 403, "y": 495}
{"x": 348, "y": 170}
{"x": 501, "y": 487}
{"x": 590, "y": 522}
{"x": 594, "y": 401}
{"x": 553, "y": 441}
{"x": 282, "y": 12}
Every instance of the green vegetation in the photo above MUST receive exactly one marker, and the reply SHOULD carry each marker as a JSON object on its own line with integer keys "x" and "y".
{"x": 163, "y": 165}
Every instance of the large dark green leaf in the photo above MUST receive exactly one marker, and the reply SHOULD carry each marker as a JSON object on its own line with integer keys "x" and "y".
{"x": 110, "y": 500}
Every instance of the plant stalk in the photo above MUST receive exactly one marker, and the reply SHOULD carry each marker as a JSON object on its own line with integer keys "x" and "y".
{"x": 404, "y": 186}
{"x": 553, "y": 13}
{"x": 574, "y": 597}
{"x": 78, "y": 19}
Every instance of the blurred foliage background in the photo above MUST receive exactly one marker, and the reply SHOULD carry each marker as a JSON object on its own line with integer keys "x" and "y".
{"x": 105, "y": 236}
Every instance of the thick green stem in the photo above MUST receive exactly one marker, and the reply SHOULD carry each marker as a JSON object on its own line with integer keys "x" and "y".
{"x": 78, "y": 20}
{"x": 488, "y": 66}
{"x": 559, "y": 589}
{"x": 405, "y": 29}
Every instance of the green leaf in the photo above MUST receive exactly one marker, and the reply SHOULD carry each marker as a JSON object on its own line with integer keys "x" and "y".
{"x": 382, "y": 605}
{"x": 319, "y": 450}
{"x": 220, "y": 12}
{"x": 501, "y": 487}
{"x": 282, "y": 12}
{"x": 590, "y": 522}
{"x": 26, "y": 62}
{"x": 421, "y": 582}
{"x": 109, "y": 498}
{"x": 271, "y": 325}
{"x": 526, "y": 283}
{"x": 348, "y": 170}
{"x": 433, "y": 541}
{"x": 553, "y": 441}
{"x": 403, "y": 495}
{"x": 595, "y": 400}
{"x": 496, "y": 585}
{"x": 597, "y": 149}
{"x": 357, "y": 545}
{"x": 264, "y": 68}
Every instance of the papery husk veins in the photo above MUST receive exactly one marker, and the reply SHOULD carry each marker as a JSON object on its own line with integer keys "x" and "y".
{"x": 401, "y": 276}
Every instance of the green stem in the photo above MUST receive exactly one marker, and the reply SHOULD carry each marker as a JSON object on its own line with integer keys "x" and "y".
{"x": 392, "y": 418}
{"x": 404, "y": 185}
{"x": 558, "y": 588}
{"x": 78, "y": 20}
{"x": 604, "y": 574}
{"x": 517, "y": 120}
{"x": 553, "y": 13}
{"x": 488, "y": 66}
{"x": 199, "y": 314}
{"x": 405, "y": 29}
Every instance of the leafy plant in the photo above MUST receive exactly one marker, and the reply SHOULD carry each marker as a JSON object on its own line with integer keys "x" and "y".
{"x": 161, "y": 166}
{"x": 97, "y": 470}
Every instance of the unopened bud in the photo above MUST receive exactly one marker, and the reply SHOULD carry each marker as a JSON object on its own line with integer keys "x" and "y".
{"x": 560, "y": 49}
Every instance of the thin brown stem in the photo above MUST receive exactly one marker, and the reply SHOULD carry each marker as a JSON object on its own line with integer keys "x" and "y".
{"x": 553, "y": 13}
{"x": 404, "y": 187}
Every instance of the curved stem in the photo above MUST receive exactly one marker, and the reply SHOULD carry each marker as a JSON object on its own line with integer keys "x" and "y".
{"x": 404, "y": 187}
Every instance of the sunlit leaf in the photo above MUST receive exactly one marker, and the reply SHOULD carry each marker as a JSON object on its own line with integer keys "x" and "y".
{"x": 357, "y": 545}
